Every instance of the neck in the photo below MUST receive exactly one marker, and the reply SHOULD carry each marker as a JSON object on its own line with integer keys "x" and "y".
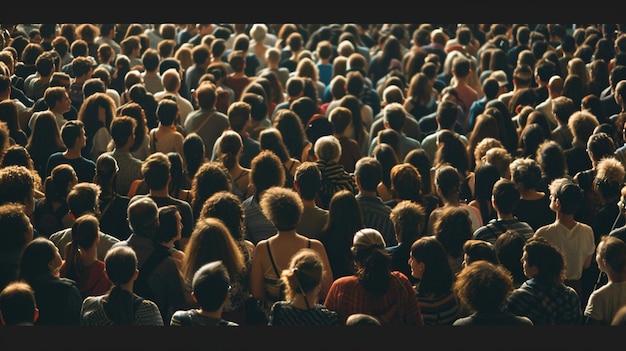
{"x": 566, "y": 220}
{"x": 72, "y": 153}
{"x": 211, "y": 314}
{"x": 159, "y": 193}
{"x": 308, "y": 203}
{"x": 505, "y": 215}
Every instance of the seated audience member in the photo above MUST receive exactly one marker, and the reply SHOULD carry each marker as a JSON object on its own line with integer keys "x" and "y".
{"x": 120, "y": 306}
{"x": 605, "y": 301}
{"x": 544, "y": 298}
{"x": 210, "y": 286}
{"x": 483, "y": 287}
{"x": 58, "y": 299}
{"x": 17, "y": 305}
{"x": 302, "y": 281}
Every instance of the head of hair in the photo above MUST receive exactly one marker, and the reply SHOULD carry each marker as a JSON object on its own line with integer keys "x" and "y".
{"x": 368, "y": 172}
{"x": 210, "y": 178}
{"x": 210, "y": 285}
{"x": 526, "y": 171}
{"x": 143, "y": 216}
{"x": 547, "y": 258}
{"x": 36, "y": 258}
{"x": 408, "y": 219}
{"x": 85, "y": 232}
{"x": 476, "y": 250}
{"x": 483, "y": 286}
{"x": 453, "y": 228}
{"x": 17, "y": 304}
{"x": 371, "y": 260}
{"x": 304, "y": 274}
{"x": 282, "y": 206}
{"x": 568, "y": 193}
{"x": 156, "y": 170}
{"x": 167, "y": 111}
{"x": 308, "y": 179}
{"x": 609, "y": 177}
{"x": 226, "y": 207}
{"x": 509, "y": 249}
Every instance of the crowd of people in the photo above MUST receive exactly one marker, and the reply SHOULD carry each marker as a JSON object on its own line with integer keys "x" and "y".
{"x": 312, "y": 175}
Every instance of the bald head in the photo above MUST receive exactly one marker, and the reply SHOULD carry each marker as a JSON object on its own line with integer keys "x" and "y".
{"x": 555, "y": 86}
{"x": 171, "y": 80}
{"x": 143, "y": 216}
{"x": 393, "y": 93}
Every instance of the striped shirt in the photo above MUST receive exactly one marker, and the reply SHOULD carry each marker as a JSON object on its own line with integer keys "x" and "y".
{"x": 439, "y": 309}
{"x": 93, "y": 314}
{"x": 376, "y": 215}
{"x": 284, "y": 313}
{"x": 492, "y": 230}
{"x": 397, "y": 305}
{"x": 258, "y": 227}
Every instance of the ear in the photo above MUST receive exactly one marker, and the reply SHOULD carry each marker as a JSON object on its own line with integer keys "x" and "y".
{"x": 135, "y": 275}
{"x": 194, "y": 298}
{"x": 36, "y": 315}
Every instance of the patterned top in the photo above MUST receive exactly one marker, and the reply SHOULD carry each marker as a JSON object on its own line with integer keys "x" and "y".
{"x": 130, "y": 170}
{"x": 284, "y": 313}
{"x": 194, "y": 318}
{"x": 92, "y": 313}
{"x": 376, "y": 215}
{"x": 398, "y": 305}
{"x": 439, "y": 309}
{"x": 258, "y": 227}
{"x": 492, "y": 230}
{"x": 545, "y": 304}
{"x": 334, "y": 178}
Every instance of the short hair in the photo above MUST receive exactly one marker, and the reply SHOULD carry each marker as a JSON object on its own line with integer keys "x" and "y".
{"x": 327, "y": 148}
{"x": 16, "y": 184}
{"x": 461, "y": 66}
{"x": 168, "y": 224}
{"x": 569, "y": 194}
{"x": 17, "y": 303}
{"x": 526, "y": 171}
{"x": 16, "y": 228}
{"x": 562, "y": 108}
{"x": 83, "y": 198}
{"x": 408, "y": 219}
{"x": 446, "y": 114}
{"x": 150, "y": 59}
{"x": 369, "y": 172}
{"x": 309, "y": 179}
{"x": 237, "y": 60}
{"x": 122, "y": 127}
{"x": 206, "y": 94}
{"x": 600, "y": 145}
{"x": 340, "y": 117}
{"x": 71, "y": 130}
{"x": 92, "y": 86}
{"x": 476, "y": 250}
{"x": 45, "y": 63}
{"x": 613, "y": 250}
{"x": 581, "y": 124}
{"x": 210, "y": 285}
{"x": 120, "y": 264}
{"x": 81, "y": 65}
{"x": 52, "y": 95}
{"x": 609, "y": 177}
{"x": 266, "y": 171}
{"x": 547, "y": 258}
{"x": 167, "y": 111}
{"x": 282, "y": 206}
{"x": 505, "y": 195}
{"x": 395, "y": 116}
{"x": 156, "y": 170}
{"x": 238, "y": 114}
{"x": 143, "y": 216}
